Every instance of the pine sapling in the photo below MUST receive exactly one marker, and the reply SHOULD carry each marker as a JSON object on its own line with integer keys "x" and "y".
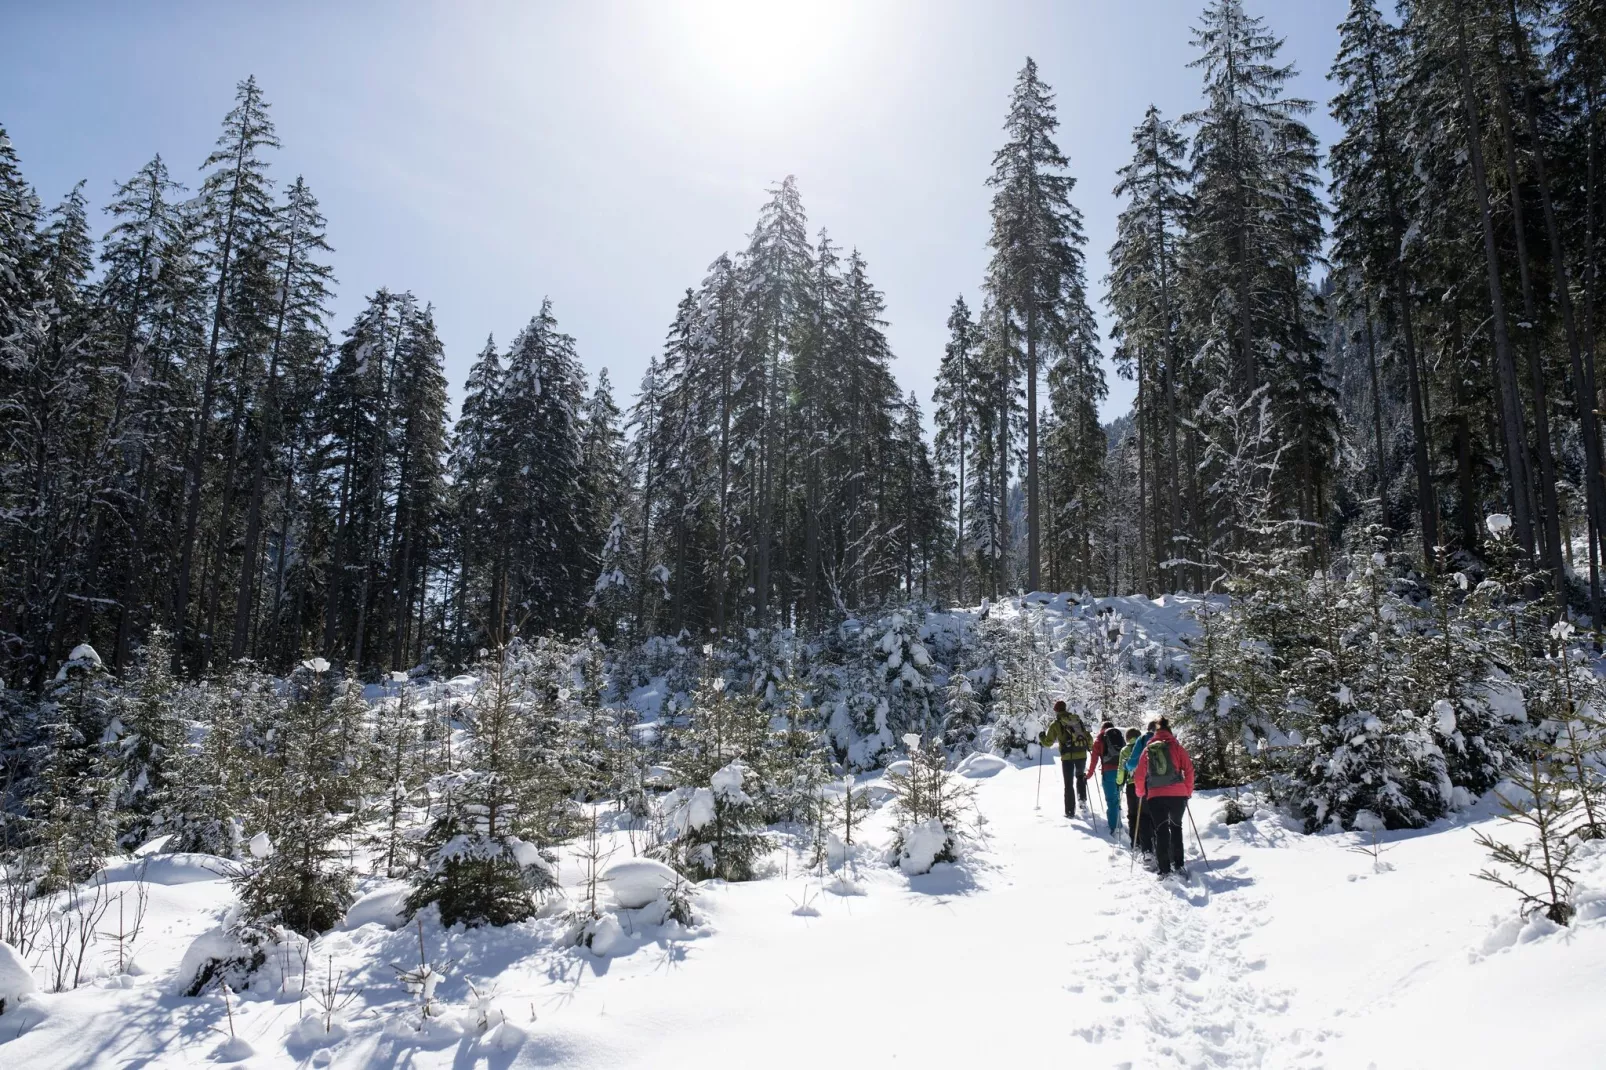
{"x": 1549, "y": 857}
{"x": 333, "y": 995}
{"x": 422, "y": 979}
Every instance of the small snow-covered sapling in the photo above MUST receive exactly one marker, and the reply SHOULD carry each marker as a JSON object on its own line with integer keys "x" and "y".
{"x": 423, "y": 978}
{"x": 333, "y": 996}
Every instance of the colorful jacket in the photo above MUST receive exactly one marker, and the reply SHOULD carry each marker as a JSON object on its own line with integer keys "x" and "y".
{"x": 1071, "y": 735}
{"x": 1179, "y": 757}
{"x": 1102, "y": 756}
{"x": 1123, "y": 765}
{"x": 1134, "y": 751}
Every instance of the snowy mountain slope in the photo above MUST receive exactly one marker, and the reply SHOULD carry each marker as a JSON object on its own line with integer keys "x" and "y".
{"x": 1044, "y": 944}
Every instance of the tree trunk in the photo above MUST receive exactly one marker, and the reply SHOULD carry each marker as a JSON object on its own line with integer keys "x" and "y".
{"x": 1505, "y": 363}
{"x": 1550, "y": 526}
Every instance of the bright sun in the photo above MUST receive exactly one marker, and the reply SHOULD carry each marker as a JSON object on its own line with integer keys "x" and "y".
{"x": 771, "y": 47}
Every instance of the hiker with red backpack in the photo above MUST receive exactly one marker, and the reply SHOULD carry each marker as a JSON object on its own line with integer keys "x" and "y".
{"x": 1106, "y": 757}
{"x": 1070, "y": 733}
{"x": 1164, "y": 779}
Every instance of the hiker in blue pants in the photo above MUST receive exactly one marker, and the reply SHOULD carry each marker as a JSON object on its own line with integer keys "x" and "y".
{"x": 1145, "y": 830}
{"x": 1106, "y": 757}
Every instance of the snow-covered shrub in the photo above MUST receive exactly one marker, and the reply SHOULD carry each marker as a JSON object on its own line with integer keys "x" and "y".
{"x": 16, "y": 980}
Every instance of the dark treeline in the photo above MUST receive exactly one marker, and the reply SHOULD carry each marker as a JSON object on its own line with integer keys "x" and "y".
{"x": 187, "y": 442}
{"x": 186, "y": 446}
{"x": 1443, "y": 370}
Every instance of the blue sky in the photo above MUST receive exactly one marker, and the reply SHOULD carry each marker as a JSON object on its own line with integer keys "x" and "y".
{"x": 487, "y": 154}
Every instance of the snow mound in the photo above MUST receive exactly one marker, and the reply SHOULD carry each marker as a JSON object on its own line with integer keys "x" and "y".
{"x": 169, "y": 870}
{"x": 16, "y": 980}
{"x": 921, "y": 844}
{"x": 605, "y": 936}
{"x": 233, "y": 1050}
{"x": 638, "y": 882}
{"x": 981, "y": 765}
{"x": 387, "y": 907}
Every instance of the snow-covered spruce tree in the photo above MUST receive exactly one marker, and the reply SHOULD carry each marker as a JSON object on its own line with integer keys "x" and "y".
{"x": 73, "y": 826}
{"x": 611, "y": 593}
{"x": 796, "y": 765}
{"x": 1021, "y": 706}
{"x": 1234, "y": 702}
{"x": 904, "y": 667}
{"x": 1475, "y": 708}
{"x": 482, "y": 864}
{"x": 216, "y": 775}
{"x": 149, "y": 738}
{"x": 930, "y": 804}
{"x": 305, "y": 803}
{"x": 398, "y": 766}
{"x": 592, "y": 729}
{"x": 962, "y": 711}
{"x": 715, "y": 826}
{"x": 1359, "y": 746}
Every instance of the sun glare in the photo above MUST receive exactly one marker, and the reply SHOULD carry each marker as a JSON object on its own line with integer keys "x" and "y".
{"x": 769, "y": 47}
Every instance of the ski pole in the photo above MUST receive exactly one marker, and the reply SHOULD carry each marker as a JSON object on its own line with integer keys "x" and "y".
{"x": 1039, "y": 804}
{"x": 1196, "y": 837}
{"x": 1135, "y": 826}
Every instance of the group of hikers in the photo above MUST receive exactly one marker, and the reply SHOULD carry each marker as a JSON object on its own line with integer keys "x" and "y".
{"x": 1152, "y": 769}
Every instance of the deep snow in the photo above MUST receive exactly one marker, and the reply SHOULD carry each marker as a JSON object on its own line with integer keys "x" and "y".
{"x": 1044, "y": 944}
{"x": 1290, "y": 951}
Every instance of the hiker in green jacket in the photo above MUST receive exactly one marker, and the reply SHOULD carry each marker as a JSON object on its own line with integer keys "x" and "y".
{"x": 1071, "y": 734}
{"x": 1124, "y": 777}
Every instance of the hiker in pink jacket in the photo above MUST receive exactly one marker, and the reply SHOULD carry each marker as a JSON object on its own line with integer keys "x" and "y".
{"x": 1164, "y": 779}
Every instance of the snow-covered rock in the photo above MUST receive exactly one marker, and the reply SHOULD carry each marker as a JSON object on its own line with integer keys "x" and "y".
{"x": 637, "y": 882}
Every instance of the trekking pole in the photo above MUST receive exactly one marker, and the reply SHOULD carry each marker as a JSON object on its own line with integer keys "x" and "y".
{"x": 1135, "y": 826}
{"x": 1103, "y": 804}
{"x": 1039, "y": 804}
{"x": 1196, "y": 837}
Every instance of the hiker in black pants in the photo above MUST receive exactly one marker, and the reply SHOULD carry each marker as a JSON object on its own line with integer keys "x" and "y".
{"x": 1144, "y": 836}
{"x": 1124, "y": 775}
{"x": 1165, "y": 782}
{"x": 1071, "y": 734}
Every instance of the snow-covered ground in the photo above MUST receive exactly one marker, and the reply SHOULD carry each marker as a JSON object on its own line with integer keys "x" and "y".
{"x": 1045, "y": 943}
